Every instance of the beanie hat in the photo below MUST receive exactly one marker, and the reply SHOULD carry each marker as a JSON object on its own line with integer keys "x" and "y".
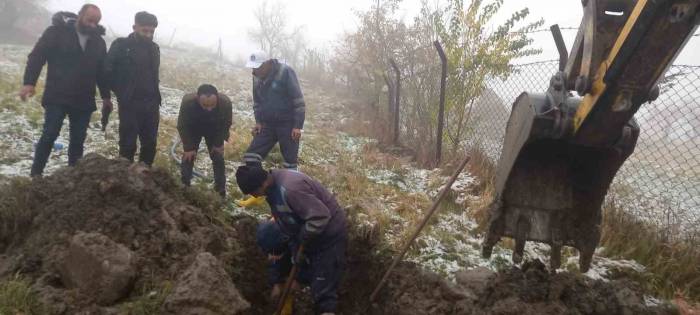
{"x": 144, "y": 18}
{"x": 250, "y": 178}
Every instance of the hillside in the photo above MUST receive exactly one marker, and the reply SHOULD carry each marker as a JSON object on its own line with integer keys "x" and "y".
{"x": 162, "y": 234}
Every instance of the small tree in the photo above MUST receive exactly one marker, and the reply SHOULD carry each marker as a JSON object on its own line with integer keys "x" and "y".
{"x": 476, "y": 54}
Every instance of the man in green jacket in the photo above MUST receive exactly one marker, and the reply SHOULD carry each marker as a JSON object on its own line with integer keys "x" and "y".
{"x": 206, "y": 114}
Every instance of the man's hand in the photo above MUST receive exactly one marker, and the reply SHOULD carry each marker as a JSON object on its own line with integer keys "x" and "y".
{"x": 296, "y": 134}
{"x": 276, "y": 292}
{"x": 189, "y": 156}
{"x": 26, "y": 92}
{"x": 299, "y": 257}
{"x": 257, "y": 129}
{"x": 219, "y": 149}
{"x": 107, "y": 105}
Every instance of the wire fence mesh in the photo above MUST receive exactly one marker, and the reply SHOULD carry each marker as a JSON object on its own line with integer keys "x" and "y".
{"x": 660, "y": 182}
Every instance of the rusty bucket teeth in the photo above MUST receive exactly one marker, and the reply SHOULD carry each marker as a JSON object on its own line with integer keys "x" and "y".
{"x": 584, "y": 260}
{"x": 555, "y": 257}
{"x": 486, "y": 251}
{"x": 520, "y": 237}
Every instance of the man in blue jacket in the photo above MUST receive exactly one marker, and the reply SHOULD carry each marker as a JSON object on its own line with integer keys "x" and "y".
{"x": 279, "y": 108}
{"x": 307, "y": 214}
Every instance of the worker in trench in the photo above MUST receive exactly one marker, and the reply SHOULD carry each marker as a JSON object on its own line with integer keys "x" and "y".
{"x": 206, "y": 114}
{"x": 279, "y": 108}
{"x": 305, "y": 214}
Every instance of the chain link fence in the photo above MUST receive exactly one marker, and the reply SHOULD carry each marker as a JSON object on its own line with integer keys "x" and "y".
{"x": 660, "y": 182}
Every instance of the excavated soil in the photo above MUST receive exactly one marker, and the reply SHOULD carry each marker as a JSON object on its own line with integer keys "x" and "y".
{"x": 165, "y": 229}
{"x": 142, "y": 209}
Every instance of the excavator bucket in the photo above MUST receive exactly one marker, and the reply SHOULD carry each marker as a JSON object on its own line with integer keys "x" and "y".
{"x": 550, "y": 189}
{"x": 560, "y": 152}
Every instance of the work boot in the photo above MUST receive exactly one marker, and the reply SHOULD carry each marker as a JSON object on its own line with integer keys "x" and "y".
{"x": 251, "y": 202}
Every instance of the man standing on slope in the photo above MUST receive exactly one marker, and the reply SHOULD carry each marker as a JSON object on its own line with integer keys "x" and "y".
{"x": 207, "y": 114}
{"x": 75, "y": 52}
{"x": 279, "y": 108}
{"x": 308, "y": 216}
{"x": 132, "y": 66}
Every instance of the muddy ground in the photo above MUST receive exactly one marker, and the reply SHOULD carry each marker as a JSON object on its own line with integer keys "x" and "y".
{"x": 133, "y": 230}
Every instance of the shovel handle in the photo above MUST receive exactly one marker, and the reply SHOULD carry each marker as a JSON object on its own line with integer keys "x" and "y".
{"x": 289, "y": 282}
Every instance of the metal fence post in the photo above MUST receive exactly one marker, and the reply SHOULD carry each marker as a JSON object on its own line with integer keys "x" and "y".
{"x": 397, "y": 100}
{"x": 390, "y": 87}
{"x": 441, "y": 112}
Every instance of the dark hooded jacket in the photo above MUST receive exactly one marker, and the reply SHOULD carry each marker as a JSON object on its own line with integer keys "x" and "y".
{"x": 132, "y": 68}
{"x": 72, "y": 73}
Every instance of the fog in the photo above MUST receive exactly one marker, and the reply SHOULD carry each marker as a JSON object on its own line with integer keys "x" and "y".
{"x": 203, "y": 22}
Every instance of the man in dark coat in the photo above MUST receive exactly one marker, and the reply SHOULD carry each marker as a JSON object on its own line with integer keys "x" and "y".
{"x": 132, "y": 66}
{"x": 75, "y": 52}
{"x": 207, "y": 114}
{"x": 308, "y": 215}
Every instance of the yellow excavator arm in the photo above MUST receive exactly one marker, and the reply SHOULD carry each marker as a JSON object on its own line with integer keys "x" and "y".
{"x": 561, "y": 152}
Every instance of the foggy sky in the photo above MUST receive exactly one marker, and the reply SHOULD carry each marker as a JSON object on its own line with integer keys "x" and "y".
{"x": 205, "y": 21}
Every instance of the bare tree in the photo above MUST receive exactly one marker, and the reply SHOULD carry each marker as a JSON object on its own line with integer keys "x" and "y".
{"x": 270, "y": 31}
{"x": 293, "y": 46}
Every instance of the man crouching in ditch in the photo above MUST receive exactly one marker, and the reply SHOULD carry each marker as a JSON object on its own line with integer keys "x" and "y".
{"x": 207, "y": 114}
{"x": 305, "y": 215}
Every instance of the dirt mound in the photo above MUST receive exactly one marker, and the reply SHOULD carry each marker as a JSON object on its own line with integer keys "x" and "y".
{"x": 527, "y": 290}
{"x": 130, "y": 228}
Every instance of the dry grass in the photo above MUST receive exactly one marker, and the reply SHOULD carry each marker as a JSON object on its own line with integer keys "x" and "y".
{"x": 674, "y": 266}
{"x": 15, "y": 210}
{"x": 150, "y": 301}
{"x": 17, "y": 297}
{"x": 482, "y": 167}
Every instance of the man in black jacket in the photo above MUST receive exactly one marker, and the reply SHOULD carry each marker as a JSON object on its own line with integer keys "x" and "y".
{"x": 207, "y": 114}
{"x": 75, "y": 51}
{"x": 133, "y": 69}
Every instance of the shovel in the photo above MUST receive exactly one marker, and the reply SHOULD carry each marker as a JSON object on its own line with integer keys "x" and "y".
{"x": 288, "y": 286}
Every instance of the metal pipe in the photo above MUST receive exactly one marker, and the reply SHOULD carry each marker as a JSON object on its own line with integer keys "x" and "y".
{"x": 441, "y": 112}
{"x": 397, "y": 101}
{"x": 422, "y": 225}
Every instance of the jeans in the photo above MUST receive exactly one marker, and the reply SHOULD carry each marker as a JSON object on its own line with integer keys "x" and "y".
{"x": 78, "y": 119}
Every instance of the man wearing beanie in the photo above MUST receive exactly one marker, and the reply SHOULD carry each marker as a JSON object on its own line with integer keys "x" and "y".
{"x": 132, "y": 67}
{"x": 307, "y": 214}
{"x": 207, "y": 114}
